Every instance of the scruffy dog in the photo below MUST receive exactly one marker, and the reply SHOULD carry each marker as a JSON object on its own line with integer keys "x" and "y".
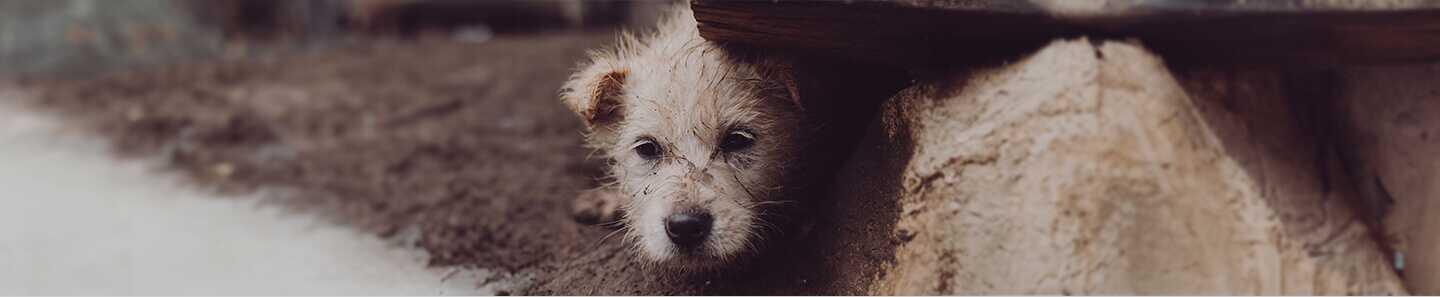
{"x": 709, "y": 145}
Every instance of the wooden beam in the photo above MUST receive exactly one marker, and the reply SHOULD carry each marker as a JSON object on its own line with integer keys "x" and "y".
{"x": 916, "y": 32}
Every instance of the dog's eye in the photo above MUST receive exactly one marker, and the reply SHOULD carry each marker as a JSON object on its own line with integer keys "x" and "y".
{"x": 737, "y": 140}
{"x": 647, "y": 149}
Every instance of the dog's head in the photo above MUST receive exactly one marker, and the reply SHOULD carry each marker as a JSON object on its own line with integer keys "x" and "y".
{"x": 700, "y": 141}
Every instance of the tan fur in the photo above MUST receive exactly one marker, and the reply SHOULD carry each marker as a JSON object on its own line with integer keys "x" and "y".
{"x": 687, "y": 94}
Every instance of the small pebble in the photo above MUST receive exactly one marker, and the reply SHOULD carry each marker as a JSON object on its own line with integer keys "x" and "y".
{"x": 223, "y": 170}
{"x": 1399, "y": 261}
{"x": 135, "y": 114}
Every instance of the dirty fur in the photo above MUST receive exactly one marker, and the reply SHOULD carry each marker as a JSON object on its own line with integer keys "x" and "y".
{"x": 672, "y": 93}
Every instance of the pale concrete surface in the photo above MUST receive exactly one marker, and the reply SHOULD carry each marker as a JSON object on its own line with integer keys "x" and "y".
{"x": 75, "y": 220}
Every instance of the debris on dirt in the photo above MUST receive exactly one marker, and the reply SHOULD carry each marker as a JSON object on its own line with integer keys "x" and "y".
{"x": 375, "y": 138}
{"x": 469, "y": 145}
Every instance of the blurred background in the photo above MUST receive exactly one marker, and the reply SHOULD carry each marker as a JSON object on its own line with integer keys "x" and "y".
{"x": 297, "y": 147}
{"x": 83, "y": 37}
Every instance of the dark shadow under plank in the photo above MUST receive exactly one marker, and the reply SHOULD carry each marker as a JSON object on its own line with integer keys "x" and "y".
{"x": 932, "y": 33}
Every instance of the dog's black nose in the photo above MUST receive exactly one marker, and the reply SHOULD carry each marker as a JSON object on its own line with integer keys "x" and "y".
{"x": 688, "y": 229}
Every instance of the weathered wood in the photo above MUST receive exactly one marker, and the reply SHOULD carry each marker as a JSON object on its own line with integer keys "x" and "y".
{"x": 914, "y": 32}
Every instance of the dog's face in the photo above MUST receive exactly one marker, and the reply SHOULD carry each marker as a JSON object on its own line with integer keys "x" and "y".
{"x": 700, "y": 145}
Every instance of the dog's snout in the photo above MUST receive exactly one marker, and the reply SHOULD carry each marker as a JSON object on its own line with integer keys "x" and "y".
{"x": 689, "y": 228}
{"x": 699, "y": 176}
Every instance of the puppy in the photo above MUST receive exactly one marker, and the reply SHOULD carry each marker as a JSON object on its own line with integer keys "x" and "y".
{"x": 714, "y": 149}
{"x": 702, "y": 142}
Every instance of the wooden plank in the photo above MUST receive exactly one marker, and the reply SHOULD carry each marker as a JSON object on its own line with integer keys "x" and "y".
{"x": 917, "y": 32}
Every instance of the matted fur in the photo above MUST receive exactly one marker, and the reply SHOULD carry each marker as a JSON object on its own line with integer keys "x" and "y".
{"x": 686, "y": 94}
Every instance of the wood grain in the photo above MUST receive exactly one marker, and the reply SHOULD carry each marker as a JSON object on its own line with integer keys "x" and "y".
{"x": 915, "y": 32}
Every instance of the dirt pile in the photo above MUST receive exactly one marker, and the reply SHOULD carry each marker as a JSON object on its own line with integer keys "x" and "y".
{"x": 461, "y": 149}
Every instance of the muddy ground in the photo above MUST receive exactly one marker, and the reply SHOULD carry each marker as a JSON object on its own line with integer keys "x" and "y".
{"x": 462, "y": 148}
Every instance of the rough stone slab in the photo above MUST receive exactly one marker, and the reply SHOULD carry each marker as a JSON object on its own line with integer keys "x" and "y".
{"x": 1394, "y": 114}
{"x": 1090, "y": 169}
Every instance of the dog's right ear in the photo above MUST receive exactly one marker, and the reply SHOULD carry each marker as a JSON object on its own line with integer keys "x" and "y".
{"x": 596, "y": 95}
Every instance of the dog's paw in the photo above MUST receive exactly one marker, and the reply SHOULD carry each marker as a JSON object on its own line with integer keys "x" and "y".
{"x": 597, "y": 207}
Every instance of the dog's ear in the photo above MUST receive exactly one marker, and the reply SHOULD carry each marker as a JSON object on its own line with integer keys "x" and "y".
{"x": 788, "y": 81}
{"x": 596, "y": 94}
{"x": 787, "y": 76}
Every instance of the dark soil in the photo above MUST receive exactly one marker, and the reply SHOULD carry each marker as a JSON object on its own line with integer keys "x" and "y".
{"x": 466, "y": 147}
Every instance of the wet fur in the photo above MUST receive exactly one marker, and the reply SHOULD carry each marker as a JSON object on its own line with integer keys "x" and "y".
{"x": 806, "y": 111}
{"x": 687, "y": 94}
